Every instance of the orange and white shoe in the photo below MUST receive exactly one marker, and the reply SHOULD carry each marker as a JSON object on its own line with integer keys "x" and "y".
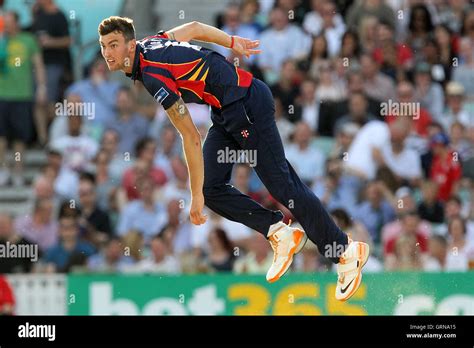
{"x": 349, "y": 269}
{"x": 286, "y": 241}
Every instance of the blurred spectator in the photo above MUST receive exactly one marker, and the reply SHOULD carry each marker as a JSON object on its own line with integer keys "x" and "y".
{"x": 77, "y": 150}
{"x": 375, "y": 210}
{"x": 21, "y": 76}
{"x": 63, "y": 179}
{"x": 258, "y": 258}
{"x": 70, "y": 251}
{"x": 40, "y": 227}
{"x": 344, "y": 137}
{"x": 393, "y": 57}
{"x": 445, "y": 167}
{"x": 459, "y": 142}
{"x": 117, "y": 163}
{"x": 444, "y": 39}
{"x": 421, "y": 119}
{"x": 430, "y": 208}
{"x": 420, "y": 26}
{"x": 250, "y": 14}
{"x": 277, "y": 47}
{"x": 99, "y": 91}
{"x": 322, "y": 12}
{"x": 337, "y": 189}
{"x": 287, "y": 90}
{"x": 318, "y": 55}
{"x": 368, "y": 33}
{"x": 331, "y": 26}
{"x": 234, "y": 26}
{"x": 144, "y": 214}
{"x": 142, "y": 168}
{"x": 427, "y": 92}
{"x": 178, "y": 187}
{"x": 51, "y": 28}
{"x": 365, "y": 8}
{"x": 455, "y": 110}
{"x": 178, "y": 228}
{"x": 160, "y": 261}
{"x": 168, "y": 148}
{"x": 406, "y": 255}
{"x": 106, "y": 185}
{"x": 460, "y": 251}
{"x": 7, "y": 297}
{"x": 110, "y": 259}
{"x": 129, "y": 125}
{"x": 410, "y": 226}
{"x": 8, "y": 235}
{"x": 358, "y": 112}
{"x": 464, "y": 72}
{"x": 221, "y": 252}
{"x": 306, "y": 159}
{"x": 377, "y": 86}
{"x": 329, "y": 87}
{"x": 93, "y": 219}
{"x": 285, "y": 127}
{"x": 437, "y": 254}
{"x": 350, "y": 47}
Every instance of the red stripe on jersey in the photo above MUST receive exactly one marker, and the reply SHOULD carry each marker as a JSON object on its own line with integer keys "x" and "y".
{"x": 167, "y": 81}
{"x": 244, "y": 78}
{"x": 177, "y": 70}
{"x": 211, "y": 100}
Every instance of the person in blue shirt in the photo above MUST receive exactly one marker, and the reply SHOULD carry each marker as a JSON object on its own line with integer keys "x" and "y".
{"x": 71, "y": 250}
{"x": 176, "y": 72}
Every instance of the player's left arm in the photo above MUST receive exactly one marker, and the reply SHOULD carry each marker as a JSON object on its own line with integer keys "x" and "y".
{"x": 203, "y": 32}
{"x": 179, "y": 116}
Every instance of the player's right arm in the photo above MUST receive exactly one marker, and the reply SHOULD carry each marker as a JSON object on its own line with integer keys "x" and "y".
{"x": 181, "y": 119}
{"x": 203, "y": 32}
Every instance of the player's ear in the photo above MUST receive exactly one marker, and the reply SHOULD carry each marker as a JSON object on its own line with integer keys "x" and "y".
{"x": 132, "y": 44}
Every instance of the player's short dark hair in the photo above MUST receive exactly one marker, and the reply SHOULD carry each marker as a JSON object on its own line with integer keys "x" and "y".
{"x": 122, "y": 25}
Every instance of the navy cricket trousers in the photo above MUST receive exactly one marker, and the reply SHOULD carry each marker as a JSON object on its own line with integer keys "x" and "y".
{"x": 249, "y": 124}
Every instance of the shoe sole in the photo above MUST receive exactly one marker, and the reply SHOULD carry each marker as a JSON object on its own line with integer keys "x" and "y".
{"x": 299, "y": 244}
{"x": 364, "y": 250}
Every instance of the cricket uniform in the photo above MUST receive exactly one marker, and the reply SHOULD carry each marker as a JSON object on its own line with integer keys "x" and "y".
{"x": 243, "y": 119}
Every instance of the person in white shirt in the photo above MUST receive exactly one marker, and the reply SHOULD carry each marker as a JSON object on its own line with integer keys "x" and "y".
{"x": 280, "y": 42}
{"x": 307, "y": 160}
{"x": 77, "y": 150}
{"x": 455, "y": 111}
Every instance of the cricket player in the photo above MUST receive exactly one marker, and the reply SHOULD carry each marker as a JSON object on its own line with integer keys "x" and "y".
{"x": 176, "y": 72}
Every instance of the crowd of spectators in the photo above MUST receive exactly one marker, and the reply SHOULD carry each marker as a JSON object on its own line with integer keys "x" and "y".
{"x": 374, "y": 101}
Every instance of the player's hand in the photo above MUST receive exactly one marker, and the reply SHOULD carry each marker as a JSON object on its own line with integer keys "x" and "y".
{"x": 197, "y": 206}
{"x": 245, "y": 47}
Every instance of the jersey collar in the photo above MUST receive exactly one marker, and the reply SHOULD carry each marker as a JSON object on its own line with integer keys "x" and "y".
{"x": 136, "y": 64}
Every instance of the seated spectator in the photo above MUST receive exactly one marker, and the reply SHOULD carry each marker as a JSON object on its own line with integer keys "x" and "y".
{"x": 221, "y": 251}
{"x": 98, "y": 90}
{"x": 65, "y": 179}
{"x": 317, "y": 57}
{"x": 145, "y": 214}
{"x": 428, "y": 92}
{"x": 93, "y": 219}
{"x": 143, "y": 168}
{"x": 377, "y": 86}
{"x": 337, "y": 189}
{"x": 7, "y": 297}
{"x": 8, "y": 235}
{"x": 129, "y": 125}
{"x": 344, "y": 137}
{"x": 307, "y": 160}
{"x": 437, "y": 254}
{"x": 464, "y": 72}
{"x": 406, "y": 255}
{"x": 160, "y": 261}
{"x": 458, "y": 135}
{"x": 77, "y": 150}
{"x": 258, "y": 258}
{"x": 430, "y": 208}
{"x": 358, "y": 112}
{"x": 287, "y": 89}
{"x": 70, "y": 251}
{"x": 376, "y": 8}
{"x": 375, "y": 210}
{"x": 178, "y": 187}
{"x": 111, "y": 258}
{"x": 105, "y": 184}
{"x": 455, "y": 110}
{"x": 285, "y": 127}
{"x": 168, "y": 148}
{"x": 117, "y": 162}
{"x": 410, "y": 226}
{"x": 276, "y": 47}
{"x": 460, "y": 251}
{"x": 330, "y": 88}
{"x": 40, "y": 227}
{"x": 313, "y": 20}
{"x": 445, "y": 167}
{"x": 308, "y": 104}
{"x": 420, "y": 27}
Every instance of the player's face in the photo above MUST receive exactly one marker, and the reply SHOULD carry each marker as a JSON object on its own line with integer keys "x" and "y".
{"x": 116, "y": 51}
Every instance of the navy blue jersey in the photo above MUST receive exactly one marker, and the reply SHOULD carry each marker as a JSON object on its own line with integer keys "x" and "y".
{"x": 170, "y": 69}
